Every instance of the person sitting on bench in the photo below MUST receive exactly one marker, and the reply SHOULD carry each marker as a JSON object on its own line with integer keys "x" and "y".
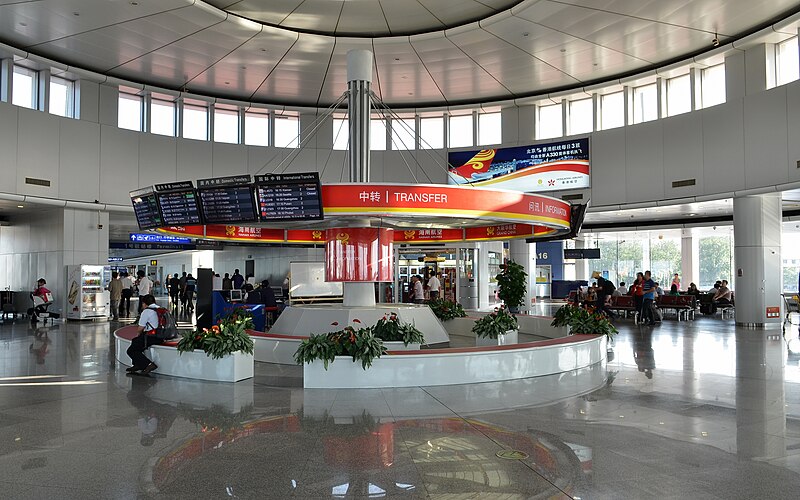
{"x": 723, "y": 295}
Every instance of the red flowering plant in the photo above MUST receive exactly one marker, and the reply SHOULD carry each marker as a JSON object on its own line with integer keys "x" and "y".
{"x": 227, "y": 336}
{"x": 391, "y": 329}
{"x": 583, "y": 320}
{"x": 360, "y": 344}
{"x": 496, "y": 323}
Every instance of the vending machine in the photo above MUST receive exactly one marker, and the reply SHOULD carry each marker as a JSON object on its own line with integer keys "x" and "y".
{"x": 87, "y": 297}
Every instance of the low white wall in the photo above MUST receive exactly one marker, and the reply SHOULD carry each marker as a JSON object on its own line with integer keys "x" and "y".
{"x": 461, "y": 367}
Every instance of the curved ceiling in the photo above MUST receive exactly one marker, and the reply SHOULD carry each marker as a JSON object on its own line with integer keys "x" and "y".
{"x": 535, "y": 47}
{"x": 365, "y": 18}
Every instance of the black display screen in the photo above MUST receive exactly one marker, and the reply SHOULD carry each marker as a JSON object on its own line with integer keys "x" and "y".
{"x": 284, "y": 197}
{"x": 178, "y": 202}
{"x": 227, "y": 200}
{"x": 145, "y": 207}
{"x": 581, "y": 253}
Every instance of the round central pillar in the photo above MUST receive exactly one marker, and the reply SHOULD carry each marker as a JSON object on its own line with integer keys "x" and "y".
{"x": 359, "y": 257}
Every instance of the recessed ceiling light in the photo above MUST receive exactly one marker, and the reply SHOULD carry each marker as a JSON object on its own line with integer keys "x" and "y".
{"x": 20, "y": 206}
{"x": 23, "y": 24}
{"x": 525, "y": 34}
{"x": 134, "y": 3}
{"x": 227, "y": 83}
{"x": 691, "y": 215}
{"x": 563, "y": 50}
{"x": 76, "y": 13}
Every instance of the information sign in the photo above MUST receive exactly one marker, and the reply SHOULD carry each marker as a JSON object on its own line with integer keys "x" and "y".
{"x": 226, "y": 200}
{"x": 145, "y": 206}
{"x": 178, "y": 203}
{"x": 283, "y": 197}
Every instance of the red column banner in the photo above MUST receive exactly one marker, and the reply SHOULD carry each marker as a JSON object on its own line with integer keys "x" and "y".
{"x": 305, "y": 236}
{"x": 499, "y": 232}
{"x": 359, "y": 254}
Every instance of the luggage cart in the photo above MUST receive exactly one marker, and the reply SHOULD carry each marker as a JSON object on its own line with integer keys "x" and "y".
{"x": 7, "y": 306}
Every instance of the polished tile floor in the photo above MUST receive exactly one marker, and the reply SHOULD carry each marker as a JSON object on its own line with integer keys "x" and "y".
{"x": 699, "y": 410}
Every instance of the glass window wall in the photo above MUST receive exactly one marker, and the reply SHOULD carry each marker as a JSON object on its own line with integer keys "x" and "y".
{"x": 612, "y": 110}
{"x": 162, "y": 116}
{"x": 787, "y": 61}
{"x": 341, "y": 133}
{"x": 287, "y": 131}
{"x": 256, "y": 128}
{"x": 490, "y": 128}
{"x": 550, "y": 122}
{"x": 431, "y": 133}
{"x": 713, "y": 86}
{"x": 581, "y": 117}
{"x": 645, "y": 103}
{"x": 129, "y": 115}
{"x": 226, "y": 125}
{"x": 377, "y": 134}
{"x": 404, "y": 132}
{"x": 24, "y": 87}
{"x": 195, "y": 121}
{"x": 62, "y": 97}
{"x": 460, "y": 131}
{"x": 679, "y": 95}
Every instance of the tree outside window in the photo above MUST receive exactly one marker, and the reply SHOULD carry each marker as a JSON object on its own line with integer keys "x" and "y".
{"x": 715, "y": 260}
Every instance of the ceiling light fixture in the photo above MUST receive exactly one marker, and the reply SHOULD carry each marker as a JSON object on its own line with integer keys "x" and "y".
{"x": 525, "y": 34}
{"x": 23, "y": 24}
{"x": 715, "y": 41}
{"x": 20, "y": 206}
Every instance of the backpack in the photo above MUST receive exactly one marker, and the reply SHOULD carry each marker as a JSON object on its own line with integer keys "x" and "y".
{"x": 608, "y": 287}
{"x": 167, "y": 328}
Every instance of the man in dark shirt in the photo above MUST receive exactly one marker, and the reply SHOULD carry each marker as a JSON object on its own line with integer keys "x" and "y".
{"x": 175, "y": 290}
{"x": 188, "y": 292}
{"x": 649, "y": 289}
{"x": 238, "y": 280}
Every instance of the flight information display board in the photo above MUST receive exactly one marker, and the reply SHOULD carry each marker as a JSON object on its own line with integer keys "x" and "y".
{"x": 178, "y": 203}
{"x": 145, "y": 206}
{"x": 286, "y": 197}
{"x": 227, "y": 200}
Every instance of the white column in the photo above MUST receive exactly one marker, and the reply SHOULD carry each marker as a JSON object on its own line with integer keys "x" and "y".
{"x": 524, "y": 254}
{"x": 6, "y": 79}
{"x": 581, "y": 265}
{"x": 757, "y": 249}
{"x": 43, "y": 91}
{"x": 690, "y": 258}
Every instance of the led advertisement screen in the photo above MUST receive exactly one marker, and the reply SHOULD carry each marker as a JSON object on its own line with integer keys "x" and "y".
{"x": 552, "y": 166}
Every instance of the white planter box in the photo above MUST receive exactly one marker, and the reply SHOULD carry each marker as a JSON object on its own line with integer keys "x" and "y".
{"x": 510, "y": 337}
{"x": 399, "y": 346}
{"x": 198, "y": 365}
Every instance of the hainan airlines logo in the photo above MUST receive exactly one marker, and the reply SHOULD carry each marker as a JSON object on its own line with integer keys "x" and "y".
{"x": 477, "y": 164}
{"x": 230, "y": 230}
{"x": 343, "y": 238}
{"x": 316, "y": 235}
{"x": 490, "y": 231}
{"x": 409, "y": 234}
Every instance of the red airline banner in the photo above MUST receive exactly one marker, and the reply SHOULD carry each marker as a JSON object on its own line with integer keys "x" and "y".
{"x": 499, "y": 232}
{"x": 428, "y": 235}
{"x": 244, "y": 233}
{"x": 444, "y": 201}
{"x": 305, "y": 236}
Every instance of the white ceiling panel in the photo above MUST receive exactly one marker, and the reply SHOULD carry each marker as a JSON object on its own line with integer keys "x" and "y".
{"x": 532, "y": 49}
{"x": 299, "y": 76}
{"x": 243, "y": 71}
{"x": 188, "y": 57}
{"x": 112, "y": 46}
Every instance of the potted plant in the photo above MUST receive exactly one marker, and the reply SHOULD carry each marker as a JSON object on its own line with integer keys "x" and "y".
{"x": 227, "y": 350}
{"x": 496, "y": 328}
{"x": 228, "y": 336}
{"x": 582, "y": 320}
{"x": 397, "y": 335}
{"x": 446, "y": 310}
{"x": 361, "y": 345}
{"x": 512, "y": 285}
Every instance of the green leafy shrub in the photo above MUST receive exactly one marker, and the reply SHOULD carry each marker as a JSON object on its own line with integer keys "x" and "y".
{"x": 582, "y": 320}
{"x": 226, "y": 337}
{"x": 512, "y": 284}
{"x": 391, "y": 329}
{"x": 362, "y": 345}
{"x": 447, "y": 309}
{"x": 495, "y": 323}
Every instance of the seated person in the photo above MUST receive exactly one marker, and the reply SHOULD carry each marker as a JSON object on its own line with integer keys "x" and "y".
{"x": 659, "y": 290}
{"x": 723, "y": 295}
{"x": 622, "y": 290}
{"x": 673, "y": 290}
{"x": 262, "y": 295}
{"x": 715, "y": 287}
{"x": 591, "y": 296}
{"x": 693, "y": 289}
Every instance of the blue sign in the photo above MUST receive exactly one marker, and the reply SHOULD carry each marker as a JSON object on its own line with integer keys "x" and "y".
{"x": 551, "y": 253}
{"x": 159, "y": 238}
{"x": 115, "y": 259}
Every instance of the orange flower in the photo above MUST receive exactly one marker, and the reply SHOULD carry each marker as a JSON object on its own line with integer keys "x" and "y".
{"x": 335, "y": 323}
{"x": 356, "y": 320}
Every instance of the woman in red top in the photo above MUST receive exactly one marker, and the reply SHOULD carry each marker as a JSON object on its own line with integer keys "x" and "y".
{"x": 41, "y": 289}
{"x": 637, "y": 290}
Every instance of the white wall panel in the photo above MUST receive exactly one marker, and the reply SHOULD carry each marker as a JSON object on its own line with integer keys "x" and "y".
{"x": 683, "y": 154}
{"x": 157, "y": 159}
{"x": 37, "y": 152}
{"x": 793, "y": 128}
{"x": 119, "y": 164}
{"x": 79, "y": 168}
{"x": 194, "y": 160}
{"x": 229, "y": 159}
{"x": 8, "y": 147}
{"x": 723, "y": 148}
{"x": 644, "y": 162}
{"x": 765, "y": 145}
{"x": 334, "y": 168}
{"x": 607, "y": 149}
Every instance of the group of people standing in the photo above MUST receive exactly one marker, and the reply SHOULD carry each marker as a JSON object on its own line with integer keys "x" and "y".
{"x": 181, "y": 290}
{"x": 123, "y": 287}
{"x": 432, "y": 288}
